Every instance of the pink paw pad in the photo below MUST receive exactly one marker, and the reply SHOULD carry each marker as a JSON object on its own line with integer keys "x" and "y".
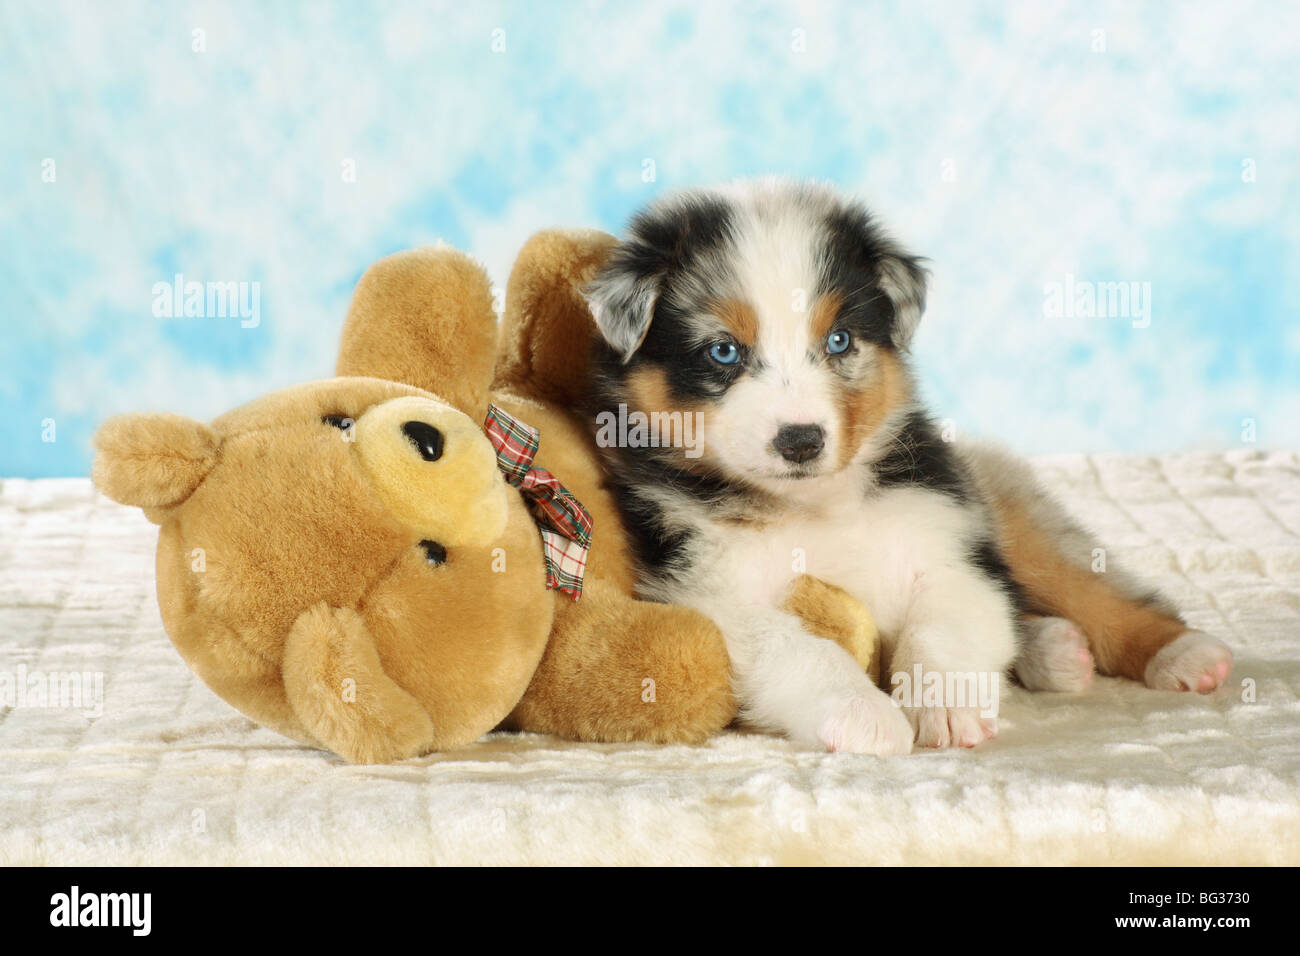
{"x": 1193, "y": 661}
{"x": 1210, "y": 680}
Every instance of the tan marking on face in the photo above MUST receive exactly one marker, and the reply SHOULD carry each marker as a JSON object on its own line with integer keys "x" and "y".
{"x": 1123, "y": 634}
{"x": 740, "y": 320}
{"x": 863, "y": 406}
{"x": 822, "y": 316}
{"x": 648, "y": 392}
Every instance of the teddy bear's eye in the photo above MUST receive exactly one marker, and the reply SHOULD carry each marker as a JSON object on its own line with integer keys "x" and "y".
{"x": 434, "y": 553}
{"x": 342, "y": 422}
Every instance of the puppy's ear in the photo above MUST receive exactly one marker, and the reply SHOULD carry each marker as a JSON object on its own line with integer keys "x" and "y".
{"x": 873, "y": 257}
{"x": 903, "y": 279}
{"x": 622, "y": 299}
{"x": 152, "y": 461}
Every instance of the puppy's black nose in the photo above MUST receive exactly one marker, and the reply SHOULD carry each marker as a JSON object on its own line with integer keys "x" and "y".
{"x": 426, "y": 439}
{"x": 799, "y": 443}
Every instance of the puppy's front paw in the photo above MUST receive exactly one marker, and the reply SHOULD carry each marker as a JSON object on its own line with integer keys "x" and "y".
{"x": 866, "y": 725}
{"x": 951, "y": 726}
{"x": 1192, "y": 661}
{"x": 1055, "y": 657}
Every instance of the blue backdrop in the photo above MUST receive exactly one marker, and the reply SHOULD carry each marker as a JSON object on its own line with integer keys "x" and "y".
{"x": 1044, "y": 156}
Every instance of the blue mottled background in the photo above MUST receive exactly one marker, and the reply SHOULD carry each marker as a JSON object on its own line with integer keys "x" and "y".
{"x": 1012, "y": 144}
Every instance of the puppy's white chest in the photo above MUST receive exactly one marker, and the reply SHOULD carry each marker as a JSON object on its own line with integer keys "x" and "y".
{"x": 754, "y": 563}
{"x": 878, "y": 549}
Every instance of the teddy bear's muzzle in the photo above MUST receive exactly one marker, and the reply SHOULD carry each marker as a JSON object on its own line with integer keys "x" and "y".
{"x": 434, "y": 470}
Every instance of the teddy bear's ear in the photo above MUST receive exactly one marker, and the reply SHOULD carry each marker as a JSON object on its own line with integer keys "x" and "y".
{"x": 547, "y": 330}
{"x": 424, "y": 317}
{"x": 152, "y": 461}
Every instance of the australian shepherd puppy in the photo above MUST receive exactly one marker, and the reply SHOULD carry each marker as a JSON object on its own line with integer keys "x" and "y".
{"x": 778, "y": 316}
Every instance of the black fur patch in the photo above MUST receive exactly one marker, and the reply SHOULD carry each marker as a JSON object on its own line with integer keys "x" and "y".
{"x": 986, "y": 556}
{"x": 656, "y": 550}
{"x": 669, "y": 239}
{"x": 665, "y": 244}
{"x": 920, "y": 456}
{"x": 849, "y": 268}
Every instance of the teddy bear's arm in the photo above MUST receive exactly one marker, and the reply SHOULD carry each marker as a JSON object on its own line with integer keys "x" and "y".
{"x": 831, "y": 612}
{"x": 337, "y": 687}
{"x": 619, "y": 669}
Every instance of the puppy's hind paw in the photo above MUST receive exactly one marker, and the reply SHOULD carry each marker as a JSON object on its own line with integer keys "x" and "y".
{"x": 1055, "y": 657}
{"x": 1192, "y": 661}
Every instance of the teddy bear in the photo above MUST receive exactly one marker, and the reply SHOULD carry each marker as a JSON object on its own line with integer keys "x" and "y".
{"x": 400, "y": 559}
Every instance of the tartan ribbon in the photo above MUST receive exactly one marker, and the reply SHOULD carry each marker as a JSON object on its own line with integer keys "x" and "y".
{"x": 564, "y": 524}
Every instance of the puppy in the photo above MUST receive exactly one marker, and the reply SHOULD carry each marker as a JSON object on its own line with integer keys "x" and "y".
{"x": 775, "y": 317}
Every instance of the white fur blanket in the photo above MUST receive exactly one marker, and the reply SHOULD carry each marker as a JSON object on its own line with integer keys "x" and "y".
{"x": 168, "y": 773}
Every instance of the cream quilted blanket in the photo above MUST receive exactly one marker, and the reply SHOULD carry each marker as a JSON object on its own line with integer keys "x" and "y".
{"x": 150, "y": 767}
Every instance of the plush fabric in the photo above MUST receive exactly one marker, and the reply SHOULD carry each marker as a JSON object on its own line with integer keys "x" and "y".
{"x": 170, "y": 774}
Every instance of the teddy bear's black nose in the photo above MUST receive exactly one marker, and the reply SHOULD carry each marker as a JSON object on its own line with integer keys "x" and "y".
{"x": 426, "y": 439}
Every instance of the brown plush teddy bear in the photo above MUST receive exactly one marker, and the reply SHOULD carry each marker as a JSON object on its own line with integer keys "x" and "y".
{"x": 346, "y": 563}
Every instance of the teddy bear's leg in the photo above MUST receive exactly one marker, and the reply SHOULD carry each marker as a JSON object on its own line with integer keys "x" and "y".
{"x": 547, "y": 330}
{"x": 618, "y": 669}
{"x": 424, "y": 317}
{"x": 831, "y": 612}
{"x": 337, "y": 686}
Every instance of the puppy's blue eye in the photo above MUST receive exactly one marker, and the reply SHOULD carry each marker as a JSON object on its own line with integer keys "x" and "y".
{"x": 724, "y": 353}
{"x": 837, "y": 343}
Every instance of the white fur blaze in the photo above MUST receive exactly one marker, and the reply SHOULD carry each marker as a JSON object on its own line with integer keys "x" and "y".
{"x": 1193, "y": 661}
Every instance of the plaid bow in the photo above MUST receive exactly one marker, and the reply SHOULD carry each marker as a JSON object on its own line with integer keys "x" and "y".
{"x": 565, "y": 525}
